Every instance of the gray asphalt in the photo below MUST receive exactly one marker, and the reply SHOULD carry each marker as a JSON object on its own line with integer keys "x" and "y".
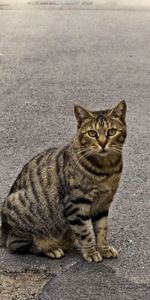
{"x": 49, "y": 60}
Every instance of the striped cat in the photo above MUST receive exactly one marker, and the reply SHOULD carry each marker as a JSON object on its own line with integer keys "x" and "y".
{"x": 63, "y": 195}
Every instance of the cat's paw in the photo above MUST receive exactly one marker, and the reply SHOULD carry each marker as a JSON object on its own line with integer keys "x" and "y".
{"x": 96, "y": 257}
{"x": 108, "y": 252}
{"x": 55, "y": 253}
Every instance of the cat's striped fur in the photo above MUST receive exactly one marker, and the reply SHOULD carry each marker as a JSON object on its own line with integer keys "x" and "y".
{"x": 64, "y": 195}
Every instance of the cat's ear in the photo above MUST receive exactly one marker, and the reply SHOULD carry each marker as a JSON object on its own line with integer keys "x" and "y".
{"x": 81, "y": 114}
{"x": 119, "y": 111}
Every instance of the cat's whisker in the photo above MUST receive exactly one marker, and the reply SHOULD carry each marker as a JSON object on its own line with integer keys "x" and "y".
{"x": 85, "y": 150}
{"x": 81, "y": 151}
{"x": 116, "y": 147}
{"x": 116, "y": 150}
{"x": 89, "y": 152}
{"x": 86, "y": 154}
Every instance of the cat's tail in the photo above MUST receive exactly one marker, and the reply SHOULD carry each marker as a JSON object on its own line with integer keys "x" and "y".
{"x": 2, "y": 238}
{"x": 2, "y": 241}
{"x": 2, "y": 231}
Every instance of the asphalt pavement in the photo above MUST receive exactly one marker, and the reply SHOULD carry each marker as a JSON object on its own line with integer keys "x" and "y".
{"x": 49, "y": 60}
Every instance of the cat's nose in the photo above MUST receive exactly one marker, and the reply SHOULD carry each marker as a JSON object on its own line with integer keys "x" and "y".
{"x": 102, "y": 143}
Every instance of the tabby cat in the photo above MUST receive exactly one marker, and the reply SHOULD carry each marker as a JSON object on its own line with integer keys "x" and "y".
{"x": 62, "y": 196}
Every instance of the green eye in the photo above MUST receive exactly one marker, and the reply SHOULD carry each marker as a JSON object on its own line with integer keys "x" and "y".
{"x": 112, "y": 131}
{"x": 92, "y": 133}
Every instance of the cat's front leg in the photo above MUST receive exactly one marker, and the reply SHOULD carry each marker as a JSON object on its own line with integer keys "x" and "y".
{"x": 77, "y": 213}
{"x": 100, "y": 225}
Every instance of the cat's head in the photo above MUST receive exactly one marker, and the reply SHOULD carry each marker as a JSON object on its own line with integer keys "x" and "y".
{"x": 101, "y": 131}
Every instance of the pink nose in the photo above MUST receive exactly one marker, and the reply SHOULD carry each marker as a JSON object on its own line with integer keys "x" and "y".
{"x": 103, "y": 143}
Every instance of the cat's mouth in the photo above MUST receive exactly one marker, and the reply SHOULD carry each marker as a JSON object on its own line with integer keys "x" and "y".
{"x": 104, "y": 151}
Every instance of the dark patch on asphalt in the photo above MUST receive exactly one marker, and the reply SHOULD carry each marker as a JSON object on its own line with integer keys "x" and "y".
{"x": 93, "y": 282}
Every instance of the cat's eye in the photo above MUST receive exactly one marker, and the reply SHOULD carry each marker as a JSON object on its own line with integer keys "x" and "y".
{"x": 92, "y": 133}
{"x": 112, "y": 132}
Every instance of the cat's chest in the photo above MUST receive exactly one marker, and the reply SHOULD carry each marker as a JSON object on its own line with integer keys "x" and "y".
{"x": 95, "y": 190}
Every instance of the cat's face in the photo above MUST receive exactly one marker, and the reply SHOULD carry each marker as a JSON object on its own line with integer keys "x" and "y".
{"x": 103, "y": 131}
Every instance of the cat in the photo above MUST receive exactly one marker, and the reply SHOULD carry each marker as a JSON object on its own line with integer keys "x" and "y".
{"x": 63, "y": 195}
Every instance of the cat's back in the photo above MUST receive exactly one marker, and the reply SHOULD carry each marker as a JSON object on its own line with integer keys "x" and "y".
{"x": 33, "y": 205}
{"x": 39, "y": 165}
